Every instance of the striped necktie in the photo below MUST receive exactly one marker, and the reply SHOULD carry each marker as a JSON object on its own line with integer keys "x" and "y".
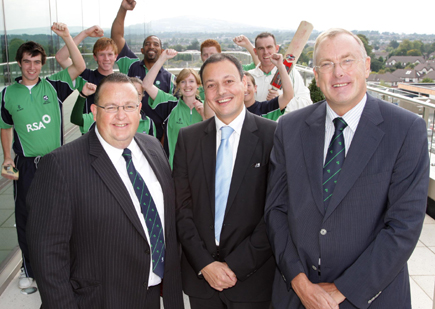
{"x": 151, "y": 216}
{"x": 334, "y": 160}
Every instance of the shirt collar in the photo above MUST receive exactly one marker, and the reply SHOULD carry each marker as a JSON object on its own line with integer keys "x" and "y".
{"x": 113, "y": 152}
{"x": 352, "y": 117}
{"x": 236, "y": 124}
{"x": 258, "y": 72}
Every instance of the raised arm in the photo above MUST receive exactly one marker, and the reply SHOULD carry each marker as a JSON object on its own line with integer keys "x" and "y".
{"x": 62, "y": 56}
{"x": 78, "y": 63}
{"x": 244, "y": 42}
{"x": 77, "y": 111}
{"x": 148, "y": 82}
{"x": 117, "y": 33}
{"x": 287, "y": 87}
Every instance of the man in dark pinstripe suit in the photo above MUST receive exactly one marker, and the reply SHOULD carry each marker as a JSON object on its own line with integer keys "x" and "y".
{"x": 87, "y": 235}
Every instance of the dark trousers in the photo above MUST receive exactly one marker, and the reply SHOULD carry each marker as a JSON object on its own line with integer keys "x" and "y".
{"x": 27, "y": 168}
{"x": 220, "y": 301}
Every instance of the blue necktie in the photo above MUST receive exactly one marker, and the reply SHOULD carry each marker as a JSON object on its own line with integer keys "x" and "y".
{"x": 151, "y": 216}
{"x": 224, "y": 167}
{"x": 334, "y": 160}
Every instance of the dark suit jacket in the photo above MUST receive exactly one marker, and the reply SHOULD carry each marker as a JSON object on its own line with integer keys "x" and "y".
{"x": 87, "y": 245}
{"x": 243, "y": 244}
{"x": 375, "y": 215}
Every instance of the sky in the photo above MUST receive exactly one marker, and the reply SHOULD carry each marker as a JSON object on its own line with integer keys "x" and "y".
{"x": 383, "y": 16}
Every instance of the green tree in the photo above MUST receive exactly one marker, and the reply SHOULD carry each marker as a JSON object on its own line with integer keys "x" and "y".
{"x": 394, "y": 44}
{"x": 194, "y": 45}
{"x": 367, "y": 46}
{"x": 315, "y": 92}
{"x": 178, "y": 47}
{"x": 303, "y": 58}
{"x": 376, "y": 65}
{"x": 413, "y": 52}
{"x": 14, "y": 44}
{"x": 427, "y": 80}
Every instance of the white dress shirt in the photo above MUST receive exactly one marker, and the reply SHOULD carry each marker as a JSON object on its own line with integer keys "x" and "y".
{"x": 352, "y": 118}
{"x": 234, "y": 138}
{"x": 144, "y": 169}
{"x": 301, "y": 97}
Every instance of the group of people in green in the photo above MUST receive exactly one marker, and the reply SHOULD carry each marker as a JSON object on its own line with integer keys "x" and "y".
{"x": 168, "y": 102}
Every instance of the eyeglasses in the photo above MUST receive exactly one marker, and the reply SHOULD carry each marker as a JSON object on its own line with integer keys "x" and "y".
{"x": 112, "y": 109}
{"x": 327, "y": 66}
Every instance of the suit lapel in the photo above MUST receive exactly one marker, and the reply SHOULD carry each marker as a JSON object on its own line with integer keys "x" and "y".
{"x": 312, "y": 141}
{"x": 108, "y": 174}
{"x": 154, "y": 162}
{"x": 364, "y": 144}
{"x": 248, "y": 142}
{"x": 208, "y": 155}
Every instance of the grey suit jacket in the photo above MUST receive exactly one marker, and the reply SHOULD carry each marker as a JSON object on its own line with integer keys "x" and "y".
{"x": 372, "y": 224}
{"x": 87, "y": 245}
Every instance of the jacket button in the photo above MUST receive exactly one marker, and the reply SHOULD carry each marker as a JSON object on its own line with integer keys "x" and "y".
{"x": 211, "y": 227}
{"x": 323, "y": 232}
{"x": 147, "y": 251}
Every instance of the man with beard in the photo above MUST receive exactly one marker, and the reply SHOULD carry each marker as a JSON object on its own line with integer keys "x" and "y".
{"x": 130, "y": 64}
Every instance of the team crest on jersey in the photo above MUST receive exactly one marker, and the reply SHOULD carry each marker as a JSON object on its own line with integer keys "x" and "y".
{"x": 20, "y": 108}
{"x": 46, "y": 100}
{"x": 158, "y": 83}
{"x": 180, "y": 121}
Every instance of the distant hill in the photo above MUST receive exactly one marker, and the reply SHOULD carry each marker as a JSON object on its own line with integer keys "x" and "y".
{"x": 182, "y": 24}
{"x": 190, "y": 26}
{"x": 200, "y": 24}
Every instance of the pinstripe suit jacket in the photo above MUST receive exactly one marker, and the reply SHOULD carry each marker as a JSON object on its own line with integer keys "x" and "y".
{"x": 87, "y": 245}
{"x": 372, "y": 224}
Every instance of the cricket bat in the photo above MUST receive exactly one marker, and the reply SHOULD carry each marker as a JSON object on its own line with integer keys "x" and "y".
{"x": 294, "y": 50}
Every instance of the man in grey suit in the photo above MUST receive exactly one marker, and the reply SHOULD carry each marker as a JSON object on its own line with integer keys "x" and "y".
{"x": 220, "y": 183}
{"x": 88, "y": 228}
{"x": 347, "y": 191}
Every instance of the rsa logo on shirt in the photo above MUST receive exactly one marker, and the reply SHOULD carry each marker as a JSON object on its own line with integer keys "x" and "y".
{"x": 36, "y": 126}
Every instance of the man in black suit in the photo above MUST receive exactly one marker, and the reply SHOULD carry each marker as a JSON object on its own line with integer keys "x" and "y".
{"x": 88, "y": 237}
{"x": 227, "y": 261}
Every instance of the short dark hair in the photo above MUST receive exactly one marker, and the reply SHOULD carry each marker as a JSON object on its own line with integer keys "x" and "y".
{"x": 152, "y": 35}
{"x": 264, "y": 35}
{"x": 219, "y": 58}
{"x": 32, "y": 48}
{"x": 115, "y": 77}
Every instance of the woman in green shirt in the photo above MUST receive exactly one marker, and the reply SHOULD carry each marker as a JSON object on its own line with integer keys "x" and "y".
{"x": 177, "y": 112}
